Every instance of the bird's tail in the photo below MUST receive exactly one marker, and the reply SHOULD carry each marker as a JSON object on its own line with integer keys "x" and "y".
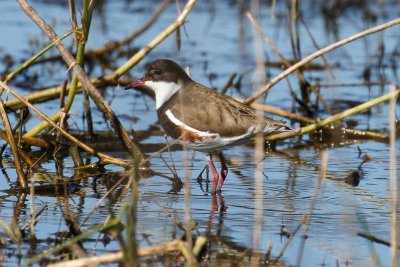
{"x": 277, "y": 127}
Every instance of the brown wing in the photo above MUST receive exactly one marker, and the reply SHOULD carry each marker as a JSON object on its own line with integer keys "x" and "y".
{"x": 208, "y": 110}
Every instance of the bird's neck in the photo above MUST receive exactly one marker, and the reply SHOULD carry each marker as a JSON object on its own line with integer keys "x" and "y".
{"x": 163, "y": 91}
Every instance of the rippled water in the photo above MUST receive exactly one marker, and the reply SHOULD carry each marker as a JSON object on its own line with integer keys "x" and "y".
{"x": 215, "y": 47}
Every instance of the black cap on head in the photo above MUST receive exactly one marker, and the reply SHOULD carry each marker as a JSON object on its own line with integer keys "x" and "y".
{"x": 165, "y": 70}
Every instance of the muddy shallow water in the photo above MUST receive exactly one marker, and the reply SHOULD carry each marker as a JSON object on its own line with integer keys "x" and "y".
{"x": 217, "y": 41}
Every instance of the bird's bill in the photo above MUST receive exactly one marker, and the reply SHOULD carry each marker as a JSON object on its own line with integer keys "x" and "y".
{"x": 136, "y": 84}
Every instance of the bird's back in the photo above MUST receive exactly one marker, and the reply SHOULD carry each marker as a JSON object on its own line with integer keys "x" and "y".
{"x": 209, "y": 111}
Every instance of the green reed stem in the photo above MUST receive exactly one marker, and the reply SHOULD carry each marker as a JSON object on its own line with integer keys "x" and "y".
{"x": 42, "y": 126}
{"x": 74, "y": 82}
{"x": 29, "y": 61}
{"x": 334, "y": 118}
{"x": 349, "y": 112}
{"x": 14, "y": 148}
{"x": 81, "y": 36}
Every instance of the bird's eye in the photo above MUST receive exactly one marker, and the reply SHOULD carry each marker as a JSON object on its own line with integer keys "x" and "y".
{"x": 158, "y": 71}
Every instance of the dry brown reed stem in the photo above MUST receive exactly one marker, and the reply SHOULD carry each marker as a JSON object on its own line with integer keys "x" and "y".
{"x": 155, "y": 42}
{"x": 323, "y": 102}
{"x": 393, "y": 178}
{"x": 287, "y": 243}
{"x": 105, "y": 196}
{"x": 317, "y": 188}
{"x": 105, "y": 159}
{"x": 281, "y": 112}
{"x": 294, "y": 16}
{"x": 14, "y": 148}
{"x": 73, "y": 21}
{"x": 54, "y": 92}
{"x": 304, "y": 119}
{"x": 35, "y": 219}
{"x": 12, "y": 232}
{"x": 191, "y": 260}
{"x": 35, "y": 141}
{"x": 326, "y": 63}
{"x": 361, "y": 84}
{"x": 258, "y": 147}
{"x": 19, "y": 207}
{"x": 174, "y": 245}
{"x": 317, "y": 54}
{"x": 21, "y": 153}
{"x": 114, "y": 45}
{"x": 32, "y": 198}
{"x": 268, "y": 41}
{"x": 85, "y": 81}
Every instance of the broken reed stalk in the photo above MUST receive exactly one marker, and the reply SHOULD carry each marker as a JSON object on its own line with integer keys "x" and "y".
{"x": 317, "y": 54}
{"x": 85, "y": 81}
{"x": 105, "y": 159}
{"x": 393, "y": 177}
{"x": 81, "y": 37}
{"x": 14, "y": 148}
{"x": 337, "y": 117}
{"x": 154, "y": 43}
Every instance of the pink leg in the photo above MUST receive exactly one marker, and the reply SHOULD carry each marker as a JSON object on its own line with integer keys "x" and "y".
{"x": 214, "y": 172}
{"x": 224, "y": 171}
{"x": 214, "y": 205}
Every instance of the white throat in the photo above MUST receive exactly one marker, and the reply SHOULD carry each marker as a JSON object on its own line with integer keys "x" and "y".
{"x": 163, "y": 91}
